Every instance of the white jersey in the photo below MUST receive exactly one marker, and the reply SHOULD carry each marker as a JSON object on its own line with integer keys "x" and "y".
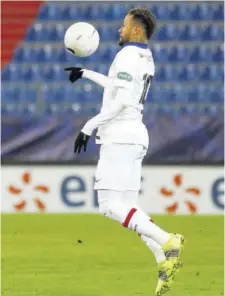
{"x": 130, "y": 75}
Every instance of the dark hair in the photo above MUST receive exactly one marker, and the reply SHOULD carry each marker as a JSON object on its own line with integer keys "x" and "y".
{"x": 146, "y": 18}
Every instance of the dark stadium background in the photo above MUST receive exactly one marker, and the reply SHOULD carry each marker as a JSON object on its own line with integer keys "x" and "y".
{"x": 42, "y": 112}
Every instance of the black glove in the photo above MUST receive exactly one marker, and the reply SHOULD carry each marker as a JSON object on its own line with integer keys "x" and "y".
{"x": 75, "y": 74}
{"x": 81, "y": 140}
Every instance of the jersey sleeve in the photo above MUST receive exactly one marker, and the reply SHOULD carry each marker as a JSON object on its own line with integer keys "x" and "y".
{"x": 126, "y": 63}
{"x": 122, "y": 100}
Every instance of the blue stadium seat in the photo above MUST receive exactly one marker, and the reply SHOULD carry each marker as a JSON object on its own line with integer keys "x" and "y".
{"x": 19, "y": 100}
{"x": 107, "y": 53}
{"x": 202, "y": 93}
{"x": 75, "y": 12}
{"x": 160, "y": 53}
{"x": 202, "y": 11}
{"x": 218, "y": 11}
{"x": 73, "y": 94}
{"x": 12, "y": 73}
{"x": 63, "y": 55}
{"x": 167, "y": 73}
{"x": 216, "y": 93}
{"x": 83, "y": 11}
{"x": 28, "y": 97}
{"x": 210, "y": 93}
{"x": 31, "y": 73}
{"x": 179, "y": 53}
{"x": 54, "y": 73}
{"x": 95, "y": 11}
{"x": 49, "y": 12}
{"x": 69, "y": 13}
{"x": 213, "y": 32}
{"x": 190, "y": 32}
{"x": 162, "y": 12}
{"x": 218, "y": 54}
{"x": 10, "y": 94}
{"x": 108, "y": 33}
{"x": 202, "y": 53}
{"x": 155, "y": 94}
{"x": 117, "y": 11}
{"x": 37, "y": 33}
{"x": 180, "y": 12}
{"x": 191, "y": 93}
{"x": 181, "y": 93}
{"x": 47, "y": 54}
{"x": 188, "y": 73}
{"x": 10, "y": 100}
{"x": 56, "y": 33}
{"x": 101, "y": 68}
{"x": 212, "y": 73}
{"x": 167, "y": 32}
{"x": 25, "y": 54}
{"x": 53, "y": 99}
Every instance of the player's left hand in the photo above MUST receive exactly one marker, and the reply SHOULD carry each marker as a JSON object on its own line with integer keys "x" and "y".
{"x": 75, "y": 74}
{"x": 81, "y": 141}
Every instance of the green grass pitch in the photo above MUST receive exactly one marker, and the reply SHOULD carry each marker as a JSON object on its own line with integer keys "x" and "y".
{"x": 41, "y": 255}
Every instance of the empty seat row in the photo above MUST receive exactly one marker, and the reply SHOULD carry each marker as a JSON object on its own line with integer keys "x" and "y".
{"x": 169, "y": 32}
{"x": 30, "y": 110}
{"x": 189, "y": 73}
{"x": 166, "y": 73}
{"x": 177, "y": 93}
{"x": 161, "y": 53}
{"x": 48, "y": 53}
{"x": 187, "y": 93}
{"x": 165, "y": 11}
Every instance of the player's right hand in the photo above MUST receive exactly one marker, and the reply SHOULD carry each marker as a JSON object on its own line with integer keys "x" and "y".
{"x": 75, "y": 74}
{"x": 81, "y": 142}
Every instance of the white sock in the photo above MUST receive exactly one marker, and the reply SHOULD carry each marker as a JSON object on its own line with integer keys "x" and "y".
{"x": 131, "y": 199}
{"x": 138, "y": 221}
{"x": 154, "y": 247}
{"x": 112, "y": 205}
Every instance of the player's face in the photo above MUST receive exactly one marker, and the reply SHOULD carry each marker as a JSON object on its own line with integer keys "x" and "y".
{"x": 126, "y": 30}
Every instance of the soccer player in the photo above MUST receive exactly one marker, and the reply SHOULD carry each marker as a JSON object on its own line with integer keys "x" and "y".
{"x": 124, "y": 141}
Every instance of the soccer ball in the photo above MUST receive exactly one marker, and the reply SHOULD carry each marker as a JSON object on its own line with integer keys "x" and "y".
{"x": 81, "y": 39}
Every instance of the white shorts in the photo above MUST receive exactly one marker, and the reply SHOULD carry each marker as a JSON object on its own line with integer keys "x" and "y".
{"x": 119, "y": 167}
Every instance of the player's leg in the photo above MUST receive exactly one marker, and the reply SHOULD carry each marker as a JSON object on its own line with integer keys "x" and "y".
{"x": 112, "y": 206}
{"x": 167, "y": 269}
{"x": 113, "y": 177}
{"x": 130, "y": 199}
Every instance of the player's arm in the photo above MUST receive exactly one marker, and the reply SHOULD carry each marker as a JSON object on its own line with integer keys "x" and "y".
{"x": 77, "y": 73}
{"x": 121, "y": 101}
{"x": 123, "y": 85}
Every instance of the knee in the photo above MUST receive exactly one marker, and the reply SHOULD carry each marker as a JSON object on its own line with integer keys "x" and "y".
{"x": 111, "y": 206}
{"x": 107, "y": 208}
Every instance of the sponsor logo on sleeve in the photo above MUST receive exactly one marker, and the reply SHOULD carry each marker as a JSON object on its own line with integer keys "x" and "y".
{"x": 125, "y": 76}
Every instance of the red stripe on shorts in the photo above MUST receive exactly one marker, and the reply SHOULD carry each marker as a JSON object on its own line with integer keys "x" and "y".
{"x": 129, "y": 216}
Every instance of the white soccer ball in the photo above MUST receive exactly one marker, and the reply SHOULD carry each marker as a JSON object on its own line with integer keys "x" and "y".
{"x": 81, "y": 39}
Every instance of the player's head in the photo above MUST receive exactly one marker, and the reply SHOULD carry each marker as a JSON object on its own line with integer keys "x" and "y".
{"x": 139, "y": 25}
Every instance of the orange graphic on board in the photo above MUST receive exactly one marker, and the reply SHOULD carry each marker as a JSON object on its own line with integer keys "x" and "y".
{"x": 26, "y": 180}
{"x": 192, "y": 191}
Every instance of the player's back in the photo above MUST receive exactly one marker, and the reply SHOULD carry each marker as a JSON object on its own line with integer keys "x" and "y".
{"x": 132, "y": 69}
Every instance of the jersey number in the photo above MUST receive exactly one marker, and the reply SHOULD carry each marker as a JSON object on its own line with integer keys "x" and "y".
{"x": 147, "y": 83}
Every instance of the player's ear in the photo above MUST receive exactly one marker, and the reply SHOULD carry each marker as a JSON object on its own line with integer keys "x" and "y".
{"x": 136, "y": 29}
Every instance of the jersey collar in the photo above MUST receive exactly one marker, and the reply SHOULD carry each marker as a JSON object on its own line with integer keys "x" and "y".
{"x": 138, "y": 44}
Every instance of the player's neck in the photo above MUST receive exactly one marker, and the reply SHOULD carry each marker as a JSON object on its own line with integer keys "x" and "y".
{"x": 138, "y": 39}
